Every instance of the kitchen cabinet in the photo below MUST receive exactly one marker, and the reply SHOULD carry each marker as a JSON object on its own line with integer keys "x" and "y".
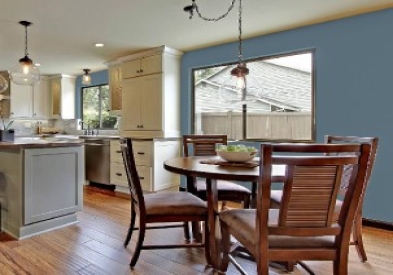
{"x": 149, "y": 157}
{"x": 142, "y": 66}
{"x": 21, "y": 101}
{"x": 41, "y": 99}
{"x": 117, "y": 172}
{"x": 42, "y": 187}
{"x": 115, "y": 88}
{"x": 151, "y": 98}
{"x": 26, "y": 101}
{"x": 142, "y": 103}
{"x": 62, "y": 97}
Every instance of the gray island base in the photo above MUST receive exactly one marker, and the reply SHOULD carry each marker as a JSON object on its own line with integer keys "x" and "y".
{"x": 41, "y": 186}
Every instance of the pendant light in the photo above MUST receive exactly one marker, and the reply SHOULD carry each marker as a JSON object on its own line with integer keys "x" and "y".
{"x": 235, "y": 87}
{"x": 25, "y": 73}
{"x": 86, "y": 78}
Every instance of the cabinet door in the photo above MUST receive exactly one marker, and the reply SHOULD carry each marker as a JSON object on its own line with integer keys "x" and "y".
{"x": 21, "y": 101}
{"x": 131, "y": 68}
{"x": 131, "y": 104}
{"x": 151, "y": 65}
{"x": 151, "y": 102}
{"x": 41, "y": 99}
{"x": 115, "y": 78}
{"x": 55, "y": 98}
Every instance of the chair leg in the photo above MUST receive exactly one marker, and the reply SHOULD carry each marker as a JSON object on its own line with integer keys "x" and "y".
{"x": 226, "y": 243}
{"x": 246, "y": 202}
{"x": 186, "y": 228}
{"x": 196, "y": 232}
{"x": 207, "y": 243}
{"x": 130, "y": 229}
{"x": 139, "y": 243}
{"x": 357, "y": 237}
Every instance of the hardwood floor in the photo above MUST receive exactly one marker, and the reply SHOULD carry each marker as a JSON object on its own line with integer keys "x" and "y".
{"x": 95, "y": 246}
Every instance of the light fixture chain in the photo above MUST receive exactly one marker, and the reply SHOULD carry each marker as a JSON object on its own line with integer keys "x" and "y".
{"x": 26, "y": 53}
{"x": 218, "y": 18}
{"x": 240, "y": 31}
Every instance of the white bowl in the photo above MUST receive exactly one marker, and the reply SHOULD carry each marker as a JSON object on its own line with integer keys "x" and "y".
{"x": 236, "y": 156}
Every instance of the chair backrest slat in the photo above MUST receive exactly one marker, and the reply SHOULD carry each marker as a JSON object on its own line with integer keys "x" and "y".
{"x": 202, "y": 145}
{"x": 134, "y": 183}
{"x": 309, "y": 196}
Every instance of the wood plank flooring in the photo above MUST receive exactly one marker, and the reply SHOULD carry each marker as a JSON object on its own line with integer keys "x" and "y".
{"x": 94, "y": 246}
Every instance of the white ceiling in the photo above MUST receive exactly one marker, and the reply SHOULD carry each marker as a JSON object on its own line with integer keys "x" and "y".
{"x": 63, "y": 32}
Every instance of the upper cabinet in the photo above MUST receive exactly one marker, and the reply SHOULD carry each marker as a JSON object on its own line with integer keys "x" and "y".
{"x": 150, "y": 93}
{"x": 62, "y": 97}
{"x": 115, "y": 88}
{"x": 143, "y": 66}
{"x": 41, "y": 99}
{"x": 26, "y": 101}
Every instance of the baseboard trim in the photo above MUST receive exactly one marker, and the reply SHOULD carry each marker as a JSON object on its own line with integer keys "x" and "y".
{"x": 377, "y": 224}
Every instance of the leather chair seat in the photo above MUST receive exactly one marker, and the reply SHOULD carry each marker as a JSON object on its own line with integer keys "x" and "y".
{"x": 222, "y": 185}
{"x": 173, "y": 204}
{"x": 244, "y": 220}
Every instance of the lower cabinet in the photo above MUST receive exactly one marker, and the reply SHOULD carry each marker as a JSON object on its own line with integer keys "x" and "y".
{"x": 149, "y": 157}
{"x": 42, "y": 189}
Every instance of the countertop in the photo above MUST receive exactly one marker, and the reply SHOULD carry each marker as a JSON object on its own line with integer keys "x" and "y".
{"x": 26, "y": 143}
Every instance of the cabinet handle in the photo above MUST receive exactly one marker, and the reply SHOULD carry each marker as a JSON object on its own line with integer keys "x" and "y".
{"x": 141, "y": 71}
{"x": 140, "y": 153}
{"x": 119, "y": 174}
{"x": 141, "y": 178}
{"x": 138, "y": 71}
{"x": 118, "y": 151}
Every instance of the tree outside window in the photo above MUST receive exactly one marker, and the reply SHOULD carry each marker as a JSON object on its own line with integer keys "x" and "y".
{"x": 95, "y": 108}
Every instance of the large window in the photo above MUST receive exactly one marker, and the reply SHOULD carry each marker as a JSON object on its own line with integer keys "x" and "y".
{"x": 277, "y": 103}
{"x": 95, "y": 108}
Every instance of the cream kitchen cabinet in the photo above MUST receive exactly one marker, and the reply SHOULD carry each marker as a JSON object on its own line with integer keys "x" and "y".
{"x": 149, "y": 158}
{"x": 62, "y": 97}
{"x": 142, "y": 103}
{"x": 117, "y": 172}
{"x": 115, "y": 88}
{"x": 41, "y": 99}
{"x": 21, "y": 101}
{"x": 142, "y": 66}
{"x": 151, "y": 99}
{"x": 29, "y": 102}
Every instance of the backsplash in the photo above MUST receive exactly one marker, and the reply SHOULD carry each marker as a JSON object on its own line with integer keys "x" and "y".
{"x": 24, "y": 127}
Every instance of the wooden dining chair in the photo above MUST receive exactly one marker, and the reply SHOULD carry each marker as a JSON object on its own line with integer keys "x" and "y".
{"x": 163, "y": 208}
{"x": 357, "y": 240}
{"x": 205, "y": 145}
{"x": 303, "y": 228}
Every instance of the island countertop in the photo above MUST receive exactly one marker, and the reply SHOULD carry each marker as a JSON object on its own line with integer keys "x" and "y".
{"x": 22, "y": 143}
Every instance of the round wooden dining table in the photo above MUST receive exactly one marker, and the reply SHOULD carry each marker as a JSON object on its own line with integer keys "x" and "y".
{"x": 206, "y": 167}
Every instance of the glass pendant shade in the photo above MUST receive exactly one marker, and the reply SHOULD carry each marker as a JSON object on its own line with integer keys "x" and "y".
{"x": 86, "y": 78}
{"x": 3, "y": 84}
{"x": 240, "y": 89}
{"x": 25, "y": 73}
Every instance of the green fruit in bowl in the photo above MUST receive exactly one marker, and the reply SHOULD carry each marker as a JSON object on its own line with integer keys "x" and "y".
{"x": 236, "y": 148}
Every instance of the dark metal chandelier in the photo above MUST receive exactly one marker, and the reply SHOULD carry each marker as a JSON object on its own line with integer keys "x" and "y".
{"x": 241, "y": 70}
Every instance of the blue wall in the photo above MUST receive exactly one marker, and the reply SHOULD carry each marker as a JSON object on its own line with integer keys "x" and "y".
{"x": 97, "y": 78}
{"x": 354, "y": 86}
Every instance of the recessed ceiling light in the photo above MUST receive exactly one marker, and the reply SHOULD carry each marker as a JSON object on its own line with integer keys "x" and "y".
{"x": 37, "y": 64}
{"x": 99, "y": 45}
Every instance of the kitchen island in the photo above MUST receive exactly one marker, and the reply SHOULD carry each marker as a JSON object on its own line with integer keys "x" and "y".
{"x": 41, "y": 184}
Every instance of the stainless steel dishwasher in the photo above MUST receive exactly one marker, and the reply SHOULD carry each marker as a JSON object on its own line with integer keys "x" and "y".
{"x": 97, "y": 163}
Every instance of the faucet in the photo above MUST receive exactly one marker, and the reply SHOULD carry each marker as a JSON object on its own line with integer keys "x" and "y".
{"x": 83, "y": 123}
